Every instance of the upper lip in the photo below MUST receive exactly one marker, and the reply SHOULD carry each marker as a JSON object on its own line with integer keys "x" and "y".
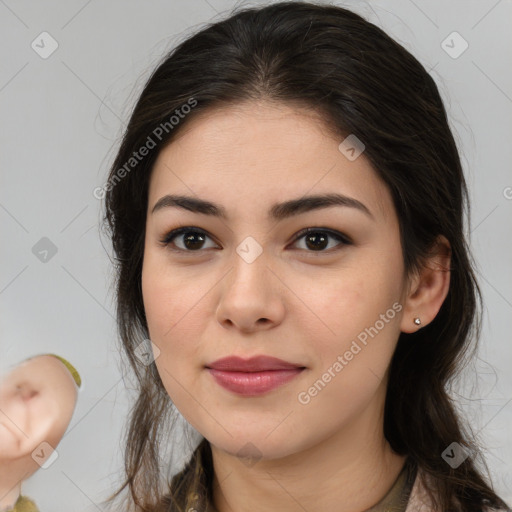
{"x": 253, "y": 364}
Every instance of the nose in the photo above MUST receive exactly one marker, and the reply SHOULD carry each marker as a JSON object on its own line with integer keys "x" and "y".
{"x": 251, "y": 297}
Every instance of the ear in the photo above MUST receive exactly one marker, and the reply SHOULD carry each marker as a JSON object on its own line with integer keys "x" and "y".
{"x": 428, "y": 288}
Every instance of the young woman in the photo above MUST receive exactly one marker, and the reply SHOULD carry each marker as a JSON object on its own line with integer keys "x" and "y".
{"x": 287, "y": 213}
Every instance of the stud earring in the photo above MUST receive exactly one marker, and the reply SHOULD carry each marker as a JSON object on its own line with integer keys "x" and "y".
{"x": 417, "y": 321}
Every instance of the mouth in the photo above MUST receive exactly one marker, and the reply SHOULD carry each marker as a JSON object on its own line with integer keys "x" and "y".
{"x": 254, "y": 376}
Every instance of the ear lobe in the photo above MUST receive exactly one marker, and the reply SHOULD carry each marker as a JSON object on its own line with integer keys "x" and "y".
{"x": 429, "y": 288}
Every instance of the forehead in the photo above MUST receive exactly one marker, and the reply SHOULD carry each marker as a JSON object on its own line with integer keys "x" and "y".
{"x": 265, "y": 152}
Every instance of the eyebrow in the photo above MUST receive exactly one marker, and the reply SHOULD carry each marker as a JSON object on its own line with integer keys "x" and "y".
{"x": 278, "y": 211}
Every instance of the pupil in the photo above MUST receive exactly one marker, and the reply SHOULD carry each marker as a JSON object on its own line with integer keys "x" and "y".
{"x": 310, "y": 239}
{"x": 189, "y": 240}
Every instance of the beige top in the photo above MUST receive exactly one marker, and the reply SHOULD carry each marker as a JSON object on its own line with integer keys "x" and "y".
{"x": 419, "y": 500}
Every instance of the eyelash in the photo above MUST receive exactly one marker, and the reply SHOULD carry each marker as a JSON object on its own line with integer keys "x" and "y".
{"x": 344, "y": 239}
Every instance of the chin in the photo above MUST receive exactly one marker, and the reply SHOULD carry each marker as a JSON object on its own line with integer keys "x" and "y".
{"x": 256, "y": 447}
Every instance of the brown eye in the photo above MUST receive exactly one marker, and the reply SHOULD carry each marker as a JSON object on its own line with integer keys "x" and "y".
{"x": 192, "y": 239}
{"x": 317, "y": 239}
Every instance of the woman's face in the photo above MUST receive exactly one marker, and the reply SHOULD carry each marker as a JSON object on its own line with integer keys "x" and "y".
{"x": 249, "y": 284}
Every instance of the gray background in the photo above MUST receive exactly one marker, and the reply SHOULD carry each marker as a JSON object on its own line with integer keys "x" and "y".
{"x": 61, "y": 121}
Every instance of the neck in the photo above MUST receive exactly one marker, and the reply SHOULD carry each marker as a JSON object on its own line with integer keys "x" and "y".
{"x": 350, "y": 471}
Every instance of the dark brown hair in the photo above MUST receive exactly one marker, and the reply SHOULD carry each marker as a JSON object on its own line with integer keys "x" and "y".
{"x": 362, "y": 82}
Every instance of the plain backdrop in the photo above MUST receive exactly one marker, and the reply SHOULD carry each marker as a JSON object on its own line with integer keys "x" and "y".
{"x": 62, "y": 118}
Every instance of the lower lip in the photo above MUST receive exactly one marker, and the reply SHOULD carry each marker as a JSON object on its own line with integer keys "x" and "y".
{"x": 253, "y": 383}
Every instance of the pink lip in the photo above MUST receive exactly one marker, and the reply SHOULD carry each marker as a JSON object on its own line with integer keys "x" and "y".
{"x": 254, "y": 376}
{"x": 253, "y": 383}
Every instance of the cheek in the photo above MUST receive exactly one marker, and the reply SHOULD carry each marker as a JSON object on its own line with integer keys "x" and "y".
{"x": 174, "y": 304}
{"x": 359, "y": 303}
{"x": 154, "y": 290}
{"x": 175, "y": 311}
{"x": 362, "y": 315}
{"x": 352, "y": 299}
{"x": 166, "y": 297}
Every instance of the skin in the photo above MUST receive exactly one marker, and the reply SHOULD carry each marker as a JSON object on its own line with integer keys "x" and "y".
{"x": 37, "y": 400}
{"x": 294, "y": 302}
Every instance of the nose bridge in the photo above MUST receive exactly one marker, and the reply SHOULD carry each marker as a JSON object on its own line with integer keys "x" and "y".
{"x": 250, "y": 265}
{"x": 248, "y": 295}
